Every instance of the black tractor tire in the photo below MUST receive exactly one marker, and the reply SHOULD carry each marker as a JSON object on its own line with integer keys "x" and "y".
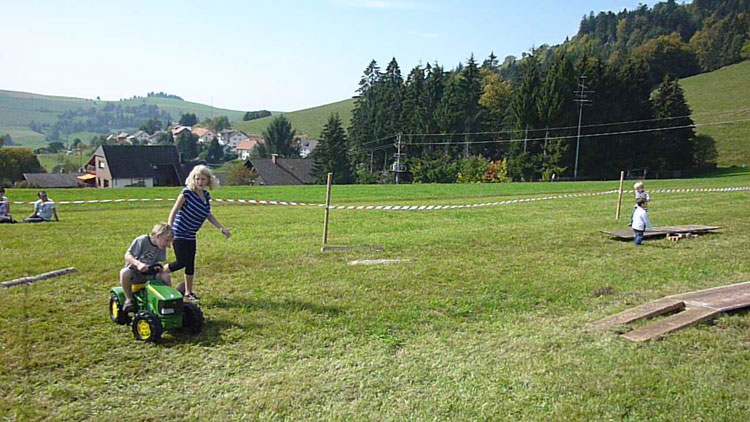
{"x": 116, "y": 314}
{"x": 147, "y": 327}
{"x": 192, "y": 319}
{"x": 181, "y": 288}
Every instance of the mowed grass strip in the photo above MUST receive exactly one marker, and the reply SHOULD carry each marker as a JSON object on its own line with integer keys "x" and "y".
{"x": 489, "y": 321}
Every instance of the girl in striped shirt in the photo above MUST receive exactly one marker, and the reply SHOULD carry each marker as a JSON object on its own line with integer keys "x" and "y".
{"x": 191, "y": 209}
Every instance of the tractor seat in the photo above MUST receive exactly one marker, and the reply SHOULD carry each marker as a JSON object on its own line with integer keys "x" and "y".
{"x": 137, "y": 287}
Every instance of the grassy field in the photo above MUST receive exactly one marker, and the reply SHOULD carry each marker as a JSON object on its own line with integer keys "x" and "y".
{"x": 488, "y": 322}
{"x": 723, "y": 95}
{"x": 309, "y": 121}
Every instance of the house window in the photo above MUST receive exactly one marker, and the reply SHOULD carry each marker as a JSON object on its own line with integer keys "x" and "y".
{"x": 106, "y": 183}
{"x": 101, "y": 164}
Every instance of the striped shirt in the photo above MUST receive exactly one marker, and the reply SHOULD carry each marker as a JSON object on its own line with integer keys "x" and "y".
{"x": 191, "y": 216}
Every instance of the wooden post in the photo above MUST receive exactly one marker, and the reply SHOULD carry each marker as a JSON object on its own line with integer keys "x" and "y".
{"x": 29, "y": 280}
{"x": 328, "y": 204}
{"x": 619, "y": 195}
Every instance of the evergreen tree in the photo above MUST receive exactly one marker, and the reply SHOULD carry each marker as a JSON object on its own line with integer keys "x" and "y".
{"x": 188, "y": 119}
{"x": 215, "y": 152}
{"x": 187, "y": 145}
{"x": 674, "y": 146}
{"x": 470, "y": 84}
{"x": 280, "y": 138}
{"x": 331, "y": 154}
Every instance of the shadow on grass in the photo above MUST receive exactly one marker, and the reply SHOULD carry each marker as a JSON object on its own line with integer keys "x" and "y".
{"x": 211, "y": 334}
{"x": 285, "y": 305}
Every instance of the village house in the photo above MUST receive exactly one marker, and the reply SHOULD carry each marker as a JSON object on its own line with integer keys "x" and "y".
{"x": 138, "y": 138}
{"x": 277, "y": 171}
{"x": 177, "y": 130}
{"x": 307, "y": 146}
{"x": 117, "y": 166}
{"x": 122, "y": 138}
{"x": 245, "y": 147}
{"x": 154, "y": 139}
{"x": 204, "y": 135}
{"x": 232, "y": 138}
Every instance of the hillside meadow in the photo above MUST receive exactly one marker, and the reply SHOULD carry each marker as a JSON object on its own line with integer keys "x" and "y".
{"x": 722, "y": 96}
{"x": 489, "y": 320}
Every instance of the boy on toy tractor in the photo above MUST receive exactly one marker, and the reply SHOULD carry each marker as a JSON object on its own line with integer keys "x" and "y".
{"x": 147, "y": 291}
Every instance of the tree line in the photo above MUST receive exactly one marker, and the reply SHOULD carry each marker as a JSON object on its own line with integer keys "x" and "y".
{"x": 520, "y": 116}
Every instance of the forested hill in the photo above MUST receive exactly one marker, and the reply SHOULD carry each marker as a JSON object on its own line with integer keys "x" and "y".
{"x": 699, "y": 36}
{"x": 523, "y": 113}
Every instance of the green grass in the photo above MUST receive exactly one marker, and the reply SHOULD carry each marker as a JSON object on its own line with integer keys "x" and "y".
{"x": 309, "y": 121}
{"x": 710, "y": 96}
{"x": 487, "y": 323}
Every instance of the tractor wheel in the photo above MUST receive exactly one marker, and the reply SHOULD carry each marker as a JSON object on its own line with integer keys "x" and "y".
{"x": 147, "y": 327}
{"x": 192, "y": 319}
{"x": 116, "y": 314}
{"x": 181, "y": 287}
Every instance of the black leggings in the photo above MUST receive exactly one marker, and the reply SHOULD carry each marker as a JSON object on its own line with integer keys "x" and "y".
{"x": 184, "y": 252}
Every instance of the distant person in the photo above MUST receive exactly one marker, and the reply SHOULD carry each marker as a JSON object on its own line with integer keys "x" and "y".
{"x": 5, "y": 216}
{"x": 44, "y": 210}
{"x": 141, "y": 258}
{"x": 640, "y": 192}
{"x": 191, "y": 209}
{"x": 640, "y": 220}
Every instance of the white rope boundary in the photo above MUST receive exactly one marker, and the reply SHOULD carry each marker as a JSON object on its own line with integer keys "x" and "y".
{"x": 404, "y": 207}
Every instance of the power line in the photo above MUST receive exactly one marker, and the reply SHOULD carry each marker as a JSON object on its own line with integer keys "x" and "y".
{"x": 591, "y": 135}
{"x": 626, "y": 122}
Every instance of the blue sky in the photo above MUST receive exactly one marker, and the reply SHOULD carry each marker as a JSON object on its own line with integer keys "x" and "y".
{"x": 247, "y": 55}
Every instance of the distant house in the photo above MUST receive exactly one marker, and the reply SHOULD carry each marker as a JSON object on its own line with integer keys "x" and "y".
{"x": 246, "y": 146}
{"x": 307, "y": 146}
{"x": 154, "y": 139}
{"x": 232, "y": 138}
{"x": 276, "y": 171}
{"x": 177, "y": 130}
{"x": 122, "y": 138}
{"x": 204, "y": 135}
{"x": 54, "y": 180}
{"x": 140, "y": 136}
{"x": 117, "y": 166}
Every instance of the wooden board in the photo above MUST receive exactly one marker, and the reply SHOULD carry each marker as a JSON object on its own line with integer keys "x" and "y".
{"x": 698, "y": 306}
{"x": 648, "y": 310}
{"x": 627, "y": 234}
{"x": 671, "y": 323}
{"x": 724, "y": 298}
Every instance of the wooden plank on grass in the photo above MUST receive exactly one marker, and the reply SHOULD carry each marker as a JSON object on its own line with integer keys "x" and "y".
{"x": 671, "y": 323}
{"x": 627, "y": 234}
{"x": 648, "y": 310}
{"x": 724, "y": 298}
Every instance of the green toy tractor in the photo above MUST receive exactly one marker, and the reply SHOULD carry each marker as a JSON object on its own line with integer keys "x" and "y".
{"x": 159, "y": 308}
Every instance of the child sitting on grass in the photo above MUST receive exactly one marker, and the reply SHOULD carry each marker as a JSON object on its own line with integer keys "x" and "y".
{"x": 640, "y": 220}
{"x": 144, "y": 252}
{"x": 5, "y": 216}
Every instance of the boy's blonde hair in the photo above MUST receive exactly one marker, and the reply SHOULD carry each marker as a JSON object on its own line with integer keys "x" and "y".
{"x": 638, "y": 185}
{"x": 163, "y": 230}
{"x": 201, "y": 170}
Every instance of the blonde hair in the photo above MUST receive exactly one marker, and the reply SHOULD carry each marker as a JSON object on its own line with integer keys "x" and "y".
{"x": 638, "y": 185}
{"x": 163, "y": 230}
{"x": 201, "y": 170}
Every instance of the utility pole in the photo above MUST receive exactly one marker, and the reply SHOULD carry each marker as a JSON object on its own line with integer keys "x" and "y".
{"x": 397, "y": 166}
{"x": 581, "y": 100}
